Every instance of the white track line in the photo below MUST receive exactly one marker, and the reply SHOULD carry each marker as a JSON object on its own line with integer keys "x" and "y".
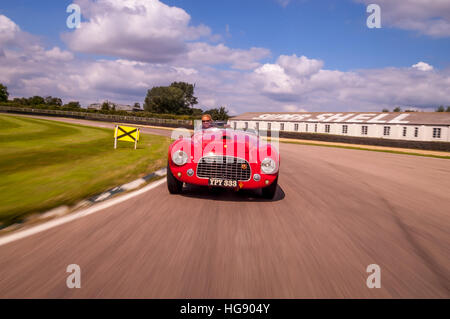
{"x": 66, "y": 219}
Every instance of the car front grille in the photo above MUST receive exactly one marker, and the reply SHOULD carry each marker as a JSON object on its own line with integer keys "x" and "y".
{"x": 225, "y": 167}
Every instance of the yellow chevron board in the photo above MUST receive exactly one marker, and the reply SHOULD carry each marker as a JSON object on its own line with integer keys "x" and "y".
{"x": 126, "y": 134}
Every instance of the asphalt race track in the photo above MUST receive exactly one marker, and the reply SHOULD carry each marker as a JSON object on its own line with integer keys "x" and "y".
{"x": 336, "y": 212}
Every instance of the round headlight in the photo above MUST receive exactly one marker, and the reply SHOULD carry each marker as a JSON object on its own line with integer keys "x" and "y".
{"x": 179, "y": 158}
{"x": 268, "y": 166}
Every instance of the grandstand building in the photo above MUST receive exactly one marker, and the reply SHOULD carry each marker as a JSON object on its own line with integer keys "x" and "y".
{"x": 411, "y": 126}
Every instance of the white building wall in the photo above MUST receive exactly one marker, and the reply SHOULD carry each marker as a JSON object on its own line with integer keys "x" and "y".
{"x": 354, "y": 129}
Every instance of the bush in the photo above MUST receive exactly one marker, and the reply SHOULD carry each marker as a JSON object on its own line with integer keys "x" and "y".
{"x": 3, "y": 93}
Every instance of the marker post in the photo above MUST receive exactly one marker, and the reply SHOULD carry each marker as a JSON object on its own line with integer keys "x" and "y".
{"x": 115, "y": 138}
{"x": 126, "y": 134}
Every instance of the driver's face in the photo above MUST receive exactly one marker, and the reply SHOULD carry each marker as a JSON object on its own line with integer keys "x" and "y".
{"x": 206, "y": 124}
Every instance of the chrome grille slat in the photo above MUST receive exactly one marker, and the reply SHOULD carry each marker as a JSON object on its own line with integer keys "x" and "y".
{"x": 224, "y": 167}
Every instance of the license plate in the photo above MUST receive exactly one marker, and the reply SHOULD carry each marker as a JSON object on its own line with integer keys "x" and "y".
{"x": 218, "y": 182}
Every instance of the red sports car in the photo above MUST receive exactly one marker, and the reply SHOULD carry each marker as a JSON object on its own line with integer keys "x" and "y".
{"x": 223, "y": 158}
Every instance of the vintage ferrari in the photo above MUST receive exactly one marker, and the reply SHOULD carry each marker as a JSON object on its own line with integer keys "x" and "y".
{"x": 224, "y": 158}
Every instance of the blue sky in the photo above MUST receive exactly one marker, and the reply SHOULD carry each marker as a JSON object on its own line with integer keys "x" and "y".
{"x": 331, "y": 30}
{"x": 331, "y": 34}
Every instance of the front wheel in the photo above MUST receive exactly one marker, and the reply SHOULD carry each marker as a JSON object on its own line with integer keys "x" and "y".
{"x": 174, "y": 185}
{"x": 269, "y": 191}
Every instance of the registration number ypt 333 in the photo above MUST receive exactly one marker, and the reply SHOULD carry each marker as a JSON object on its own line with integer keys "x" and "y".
{"x": 218, "y": 182}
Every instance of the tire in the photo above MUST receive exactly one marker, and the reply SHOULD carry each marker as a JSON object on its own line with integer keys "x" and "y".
{"x": 269, "y": 191}
{"x": 173, "y": 185}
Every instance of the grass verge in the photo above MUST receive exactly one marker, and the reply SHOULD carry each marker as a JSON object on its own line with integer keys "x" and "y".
{"x": 44, "y": 164}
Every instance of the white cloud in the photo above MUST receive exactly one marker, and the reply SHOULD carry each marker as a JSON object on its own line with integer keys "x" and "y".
{"x": 299, "y": 66}
{"x": 203, "y": 53}
{"x": 429, "y": 17}
{"x": 185, "y": 71}
{"x": 58, "y": 54}
{"x": 145, "y": 30}
{"x": 11, "y": 35}
{"x": 369, "y": 90}
{"x": 273, "y": 79}
{"x": 8, "y": 30}
{"x": 293, "y": 108}
{"x": 422, "y": 66}
{"x": 290, "y": 83}
{"x": 151, "y": 31}
{"x": 23, "y": 48}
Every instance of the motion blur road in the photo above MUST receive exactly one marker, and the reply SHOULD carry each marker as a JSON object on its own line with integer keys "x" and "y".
{"x": 336, "y": 212}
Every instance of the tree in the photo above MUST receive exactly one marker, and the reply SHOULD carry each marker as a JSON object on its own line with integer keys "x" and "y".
{"x": 397, "y": 109}
{"x": 440, "y": 109}
{"x": 73, "y": 105}
{"x": 105, "y": 106}
{"x": 166, "y": 100}
{"x": 36, "y": 100}
{"x": 3, "y": 93}
{"x": 137, "y": 105}
{"x": 385, "y": 110}
{"x": 197, "y": 112}
{"x": 54, "y": 101}
{"x": 188, "y": 89}
{"x": 448, "y": 109}
{"x": 178, "y": 98}
{"x": 19, "y": 101}
{"x": 220, "y": 114}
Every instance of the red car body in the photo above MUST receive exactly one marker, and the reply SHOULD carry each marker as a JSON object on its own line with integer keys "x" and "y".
{"x": 223, "y": 154}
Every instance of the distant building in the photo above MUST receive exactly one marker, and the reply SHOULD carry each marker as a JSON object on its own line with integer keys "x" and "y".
{"x": 114, "y": 106}
{"x": 123, "y": 107}
{"x": 414, "y": 126}
{"x": 95, "y": 106}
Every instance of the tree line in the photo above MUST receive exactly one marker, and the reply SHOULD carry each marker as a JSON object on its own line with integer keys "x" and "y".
{"x": 176, "y": 99}
{"x": 37, "y": 100}
{"x": 398, "y": 109}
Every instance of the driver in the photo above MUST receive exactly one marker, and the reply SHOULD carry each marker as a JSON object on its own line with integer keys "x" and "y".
{"x": 207, "y": 121}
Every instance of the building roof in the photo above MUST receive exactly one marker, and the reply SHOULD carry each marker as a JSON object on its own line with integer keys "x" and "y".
{"x": 414, "y": 118}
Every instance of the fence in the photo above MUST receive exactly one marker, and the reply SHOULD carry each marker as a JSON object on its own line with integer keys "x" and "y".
{"x": 101, "y": 117}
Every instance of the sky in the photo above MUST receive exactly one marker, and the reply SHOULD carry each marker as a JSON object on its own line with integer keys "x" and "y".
{"x": 247, "y": 55}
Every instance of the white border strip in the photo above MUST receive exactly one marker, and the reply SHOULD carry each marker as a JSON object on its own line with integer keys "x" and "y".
{"x": 66, "y": 219}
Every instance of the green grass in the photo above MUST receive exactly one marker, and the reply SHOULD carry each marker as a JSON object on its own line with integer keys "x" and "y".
{"x": 44, "y": 164}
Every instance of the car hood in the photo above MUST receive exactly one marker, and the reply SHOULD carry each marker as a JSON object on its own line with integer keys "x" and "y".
{"x": 225, "y": 142}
